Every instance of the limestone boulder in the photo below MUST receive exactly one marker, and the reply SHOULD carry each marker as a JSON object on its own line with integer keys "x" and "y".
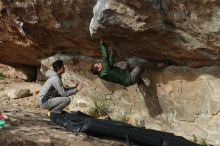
{"x": 185, "y": 32}
{"x": 4, "y": 97}
{"x": 15, "y": 94}
{"x": 190, "y": 98}
{"x": 180, "y": 100}
{"x": 22, "y": 72}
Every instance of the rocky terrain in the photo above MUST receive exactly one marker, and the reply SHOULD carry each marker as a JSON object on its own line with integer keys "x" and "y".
{"x": 182, "y": 98}
{"x": 27, "y": 125}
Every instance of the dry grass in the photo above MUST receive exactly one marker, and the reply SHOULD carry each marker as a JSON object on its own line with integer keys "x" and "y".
{"x": 99, "y": 108}
{"x": 122, "y": 118}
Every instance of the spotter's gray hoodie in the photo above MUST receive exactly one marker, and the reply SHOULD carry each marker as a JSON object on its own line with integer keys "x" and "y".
{"x": 53, "y": 87}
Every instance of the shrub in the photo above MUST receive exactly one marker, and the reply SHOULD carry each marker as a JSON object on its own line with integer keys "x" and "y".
{"x": 2, "y": 77}
{"x": 99, "y": 108}
{"x": 122, "y": 118}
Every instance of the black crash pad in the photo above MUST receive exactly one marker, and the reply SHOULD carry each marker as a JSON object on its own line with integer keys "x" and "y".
{"x": 80, "y": 122}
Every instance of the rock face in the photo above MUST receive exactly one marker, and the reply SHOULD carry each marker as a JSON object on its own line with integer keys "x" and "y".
{"x": 22, "y": 72}
{"x": 185, "y": 32}
{"x": 181, "y": 100}
{"x": 15, "y": 94}
{"x": 189, "y": 98}
{"x": 33, "y": 29}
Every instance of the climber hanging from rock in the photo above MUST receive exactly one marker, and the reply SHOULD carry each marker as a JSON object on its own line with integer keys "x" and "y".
{"x": 53, "y": 95}
{"x": 106, "y": 70}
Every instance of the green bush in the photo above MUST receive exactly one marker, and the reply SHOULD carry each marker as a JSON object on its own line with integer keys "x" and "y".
{"x": 194, "y": 138}
{"x": 199, "y": 140}
{"x": 2, "y": 77}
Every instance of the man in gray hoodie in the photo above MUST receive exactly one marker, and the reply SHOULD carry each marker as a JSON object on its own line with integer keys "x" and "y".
{"x": 53, "y": 95}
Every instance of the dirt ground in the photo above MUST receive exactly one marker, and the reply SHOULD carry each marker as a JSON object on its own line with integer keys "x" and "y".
{"x": 27, "y": 125}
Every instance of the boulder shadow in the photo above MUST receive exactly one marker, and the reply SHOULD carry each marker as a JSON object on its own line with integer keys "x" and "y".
{"x": 150, "y": 98}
